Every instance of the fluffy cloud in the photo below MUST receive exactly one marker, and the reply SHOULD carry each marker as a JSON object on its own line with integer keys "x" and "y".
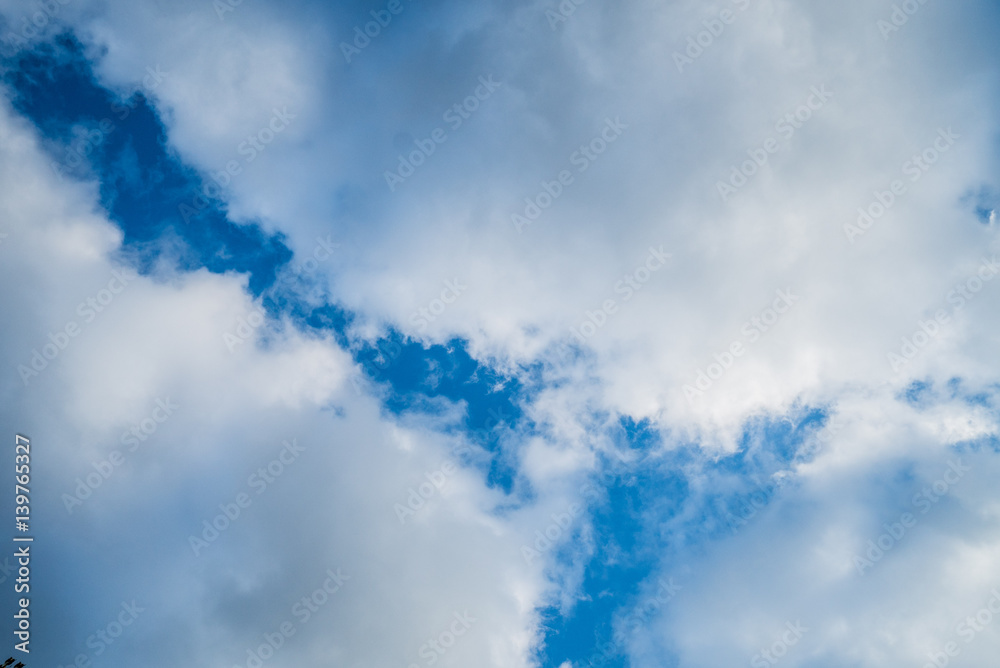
{"x": 146, "y": 425}
{"x": 881, "y": 102}
{"x": 857, "y": 259}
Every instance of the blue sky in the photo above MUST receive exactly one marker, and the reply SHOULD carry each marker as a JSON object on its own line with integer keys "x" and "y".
{"x": 769, "y": 423}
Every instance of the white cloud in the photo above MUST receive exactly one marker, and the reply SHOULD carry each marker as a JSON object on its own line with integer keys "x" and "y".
{"x": 656, "y": 185}
{"x": 161, "y": 338}
{"x": 795, "y": 562}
